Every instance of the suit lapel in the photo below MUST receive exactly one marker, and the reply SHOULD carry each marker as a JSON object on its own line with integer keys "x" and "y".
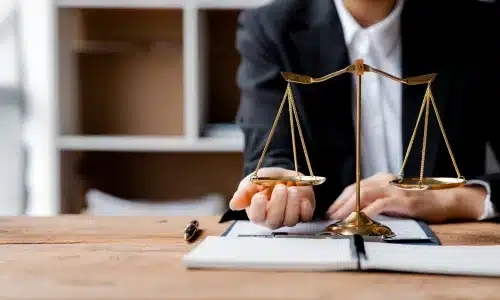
{"x": 318, "y": 47}
{"x": 419, "y": 57}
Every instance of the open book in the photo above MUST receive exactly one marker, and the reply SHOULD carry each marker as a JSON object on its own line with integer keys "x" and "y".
{"x": 341, "y": 254}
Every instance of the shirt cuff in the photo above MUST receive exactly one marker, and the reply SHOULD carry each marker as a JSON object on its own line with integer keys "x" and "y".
{"x": 489, "y": 209}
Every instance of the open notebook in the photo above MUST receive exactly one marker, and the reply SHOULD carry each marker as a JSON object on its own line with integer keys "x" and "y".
{"x": 341, "y": 254}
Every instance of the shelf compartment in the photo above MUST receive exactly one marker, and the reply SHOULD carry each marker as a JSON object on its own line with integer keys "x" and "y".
{"x": 131, "y": 94}
{"x": 155, "y": 177}
{"x": 127, "y": 71}
{"x": 221, "y": 94}
{"x": 122, "y": 24}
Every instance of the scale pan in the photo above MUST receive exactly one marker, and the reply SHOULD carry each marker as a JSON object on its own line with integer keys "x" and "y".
{"x": 288, "y": 180}
{"x": 428, "y": 183}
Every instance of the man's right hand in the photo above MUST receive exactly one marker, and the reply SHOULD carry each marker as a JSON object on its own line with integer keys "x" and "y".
{"x": 274, "y": 207}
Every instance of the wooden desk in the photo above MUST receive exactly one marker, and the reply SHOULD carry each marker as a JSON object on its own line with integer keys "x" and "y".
{"x": 77, "y": 257}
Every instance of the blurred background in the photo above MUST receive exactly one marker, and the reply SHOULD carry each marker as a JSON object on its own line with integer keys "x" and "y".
{"x": 120, "y": 107}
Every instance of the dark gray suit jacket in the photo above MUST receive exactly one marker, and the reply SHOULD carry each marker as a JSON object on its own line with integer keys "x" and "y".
{"x": 458, "y": 40}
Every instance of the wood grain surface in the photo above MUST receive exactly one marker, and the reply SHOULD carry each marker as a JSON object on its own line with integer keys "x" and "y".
{"x": 80, "y": 257}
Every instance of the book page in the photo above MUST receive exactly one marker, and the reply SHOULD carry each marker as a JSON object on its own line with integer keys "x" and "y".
{"x": 455, "y": 260}
{"x": 272, "y": 254}
{"x": 403, "y": 228}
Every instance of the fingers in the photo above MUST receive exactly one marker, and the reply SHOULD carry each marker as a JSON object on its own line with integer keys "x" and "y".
{"x": 292, "y": 210}
{"x": 341, "y": 199}
{"x": 257, "y": 211}
{"x": 306, "y": 210}
{"x": 277, "y": 205}
{"x": 246, "y": 189}
{"x": 303, "y": 203}
{"x": 367, "y": 196}
{"x": 389, "y": 205}
{"x": 346, "y": 202}
{"x": 273, "y": 207}
{"x": 243, "y": 195}
{"x": 281, "y": 206}
{"x": 350, "y": 191}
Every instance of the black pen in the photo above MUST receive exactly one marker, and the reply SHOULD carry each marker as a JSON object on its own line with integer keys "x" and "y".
{"x": 191, "y": 230}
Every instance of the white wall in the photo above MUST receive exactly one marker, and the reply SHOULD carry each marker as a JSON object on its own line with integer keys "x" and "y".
{"x": 11, "y": 155}
{"x": 37, "y": 41}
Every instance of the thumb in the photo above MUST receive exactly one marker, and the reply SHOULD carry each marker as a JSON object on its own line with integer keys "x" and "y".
{"x": 243, "y": 195}
{"x": 246, "y": 189}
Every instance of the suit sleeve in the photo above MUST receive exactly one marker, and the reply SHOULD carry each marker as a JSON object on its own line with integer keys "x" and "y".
{"x": 491, "y": 97}
{"x": 262, "y": 89}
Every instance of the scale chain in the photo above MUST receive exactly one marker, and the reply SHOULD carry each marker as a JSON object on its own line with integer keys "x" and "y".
{"x": 444, "y": 134}
{"x": 291, "y": 99}
{"x": 424, "y": 142}
{"x": 425, "y": 104}
{"x": 271, "y": 133}
{"x": 293, "y": 113}
{"x": 290, "y": 112}
{"x": 412, "y": 139}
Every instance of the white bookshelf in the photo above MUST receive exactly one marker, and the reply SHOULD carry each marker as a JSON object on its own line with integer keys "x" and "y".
{"x": 216, "y": 4}
{"x": 149, "y": 144}
{"x": 123, "y": 3}
{"x": 119, "y": 87}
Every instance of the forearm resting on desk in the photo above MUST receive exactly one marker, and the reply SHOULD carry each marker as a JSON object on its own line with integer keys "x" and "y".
{"x": 475, "y": 198}
{"x": 435, "y": 206}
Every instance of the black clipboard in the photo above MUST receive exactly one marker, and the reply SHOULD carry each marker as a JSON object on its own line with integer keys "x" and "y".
{"x": 235, "y": 216}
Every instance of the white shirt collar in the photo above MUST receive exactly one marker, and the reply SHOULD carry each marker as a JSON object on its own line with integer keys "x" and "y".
{"x": 384, "y": 33}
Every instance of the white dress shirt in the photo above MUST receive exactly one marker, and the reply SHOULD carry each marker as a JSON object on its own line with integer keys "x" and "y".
{"x": 379, "y": 45}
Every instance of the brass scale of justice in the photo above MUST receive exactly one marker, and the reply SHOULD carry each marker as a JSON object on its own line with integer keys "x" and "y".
{"x": 358, "y": 222}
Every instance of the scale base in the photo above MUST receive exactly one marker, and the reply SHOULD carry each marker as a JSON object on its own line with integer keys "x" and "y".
{"x": 358, "y": 223}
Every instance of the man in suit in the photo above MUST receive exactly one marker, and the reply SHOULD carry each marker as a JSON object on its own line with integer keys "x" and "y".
{"x": 404, "y": 38}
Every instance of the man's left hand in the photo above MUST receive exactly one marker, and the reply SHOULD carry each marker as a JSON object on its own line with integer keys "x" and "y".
{"x": 377, "y": 196}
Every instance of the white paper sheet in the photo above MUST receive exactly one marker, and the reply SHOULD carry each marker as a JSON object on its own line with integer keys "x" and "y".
{"x": 403, "y": 228}
{"x": 456, "y": 260}
{"x": 271, "y": 254}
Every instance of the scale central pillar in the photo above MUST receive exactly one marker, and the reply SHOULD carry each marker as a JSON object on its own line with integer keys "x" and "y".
{"x": 358, "y": 222}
